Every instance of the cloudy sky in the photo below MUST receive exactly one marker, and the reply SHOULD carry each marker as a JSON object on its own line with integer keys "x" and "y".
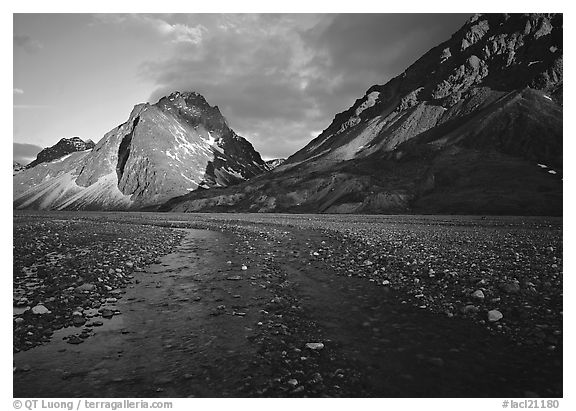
{"x": 279, "y": 79}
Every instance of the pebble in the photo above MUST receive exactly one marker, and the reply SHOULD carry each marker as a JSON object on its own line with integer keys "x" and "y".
{"x": 510, "y": 288}
{"x": 494, "y": 315}
{"x": 107, "y": 313}
{"x": 314, "y": 345}
{"x": 78, "y": 320}
{"x": 86, "y": 287}
{"x": 479, "y": 294}
{"x": 293, "y": 382}
{"x": 74, "y": 339}
{"x": 40, "y": 310}
{"x": 470, "y": 309}
{"x": 244, "y": 268}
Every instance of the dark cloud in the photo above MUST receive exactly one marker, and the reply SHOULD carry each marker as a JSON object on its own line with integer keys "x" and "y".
{"x": 24, "y": 153}
{"x": 279, "y": 78}
{"x": 27, "y": 43}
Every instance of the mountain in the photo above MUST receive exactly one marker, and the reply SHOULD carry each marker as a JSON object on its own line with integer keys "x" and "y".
{"x": 474, "y": 126}
{"x": 64, "y": 147}
{"x": 272, "y": 164}
{"x": 163, "y": 150}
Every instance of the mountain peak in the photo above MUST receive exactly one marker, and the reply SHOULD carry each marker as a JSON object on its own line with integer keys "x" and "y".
{"x": 62, "y": 148}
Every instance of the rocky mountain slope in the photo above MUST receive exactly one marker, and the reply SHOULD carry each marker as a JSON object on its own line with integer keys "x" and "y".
{"x": 473, "y": 126}
{"x": 163, "y": 150}
{"x": 64, "y": 147}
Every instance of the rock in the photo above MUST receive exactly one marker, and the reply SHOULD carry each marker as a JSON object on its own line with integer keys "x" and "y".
{"x": 470, "y": 309}
{"x": 293, "y": 382}
{"x": 511, "y": 287}
{"x": 92, "y": 312}
{"x": 494, "y": 315}
{"x": 107, "y": 313}
{"x": 40, "y": 310}
{"x": 22, "y": 302}
{"x": 316, "y": 378}
{"x": 244, "y": 268}
{"x": 74, "y": 339}
{"x": 86, "y": 287}
{"x": 479, "y": 294}
{"x": 78, "y": 320}
{"x": 314, "y": 345}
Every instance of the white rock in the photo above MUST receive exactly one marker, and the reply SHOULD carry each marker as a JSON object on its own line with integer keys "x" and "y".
{"x": 478, "y": 294}
{"x": 40, "y": 310}
{"x": 293, "y": 382}
{"x": 244, "y": 268}
{"x": 494, "y": 315}
{"x": 315, "y": 346}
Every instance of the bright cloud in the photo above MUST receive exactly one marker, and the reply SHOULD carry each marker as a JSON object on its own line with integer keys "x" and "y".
{"x": 174, "y": 32}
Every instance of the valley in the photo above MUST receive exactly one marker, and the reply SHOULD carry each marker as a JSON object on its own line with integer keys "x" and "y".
{"x": 286, "y": 305}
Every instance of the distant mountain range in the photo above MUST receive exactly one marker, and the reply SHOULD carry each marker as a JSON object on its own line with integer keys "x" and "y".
{"x": 474, "y": 126}
{"x": 64, "y": 147}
